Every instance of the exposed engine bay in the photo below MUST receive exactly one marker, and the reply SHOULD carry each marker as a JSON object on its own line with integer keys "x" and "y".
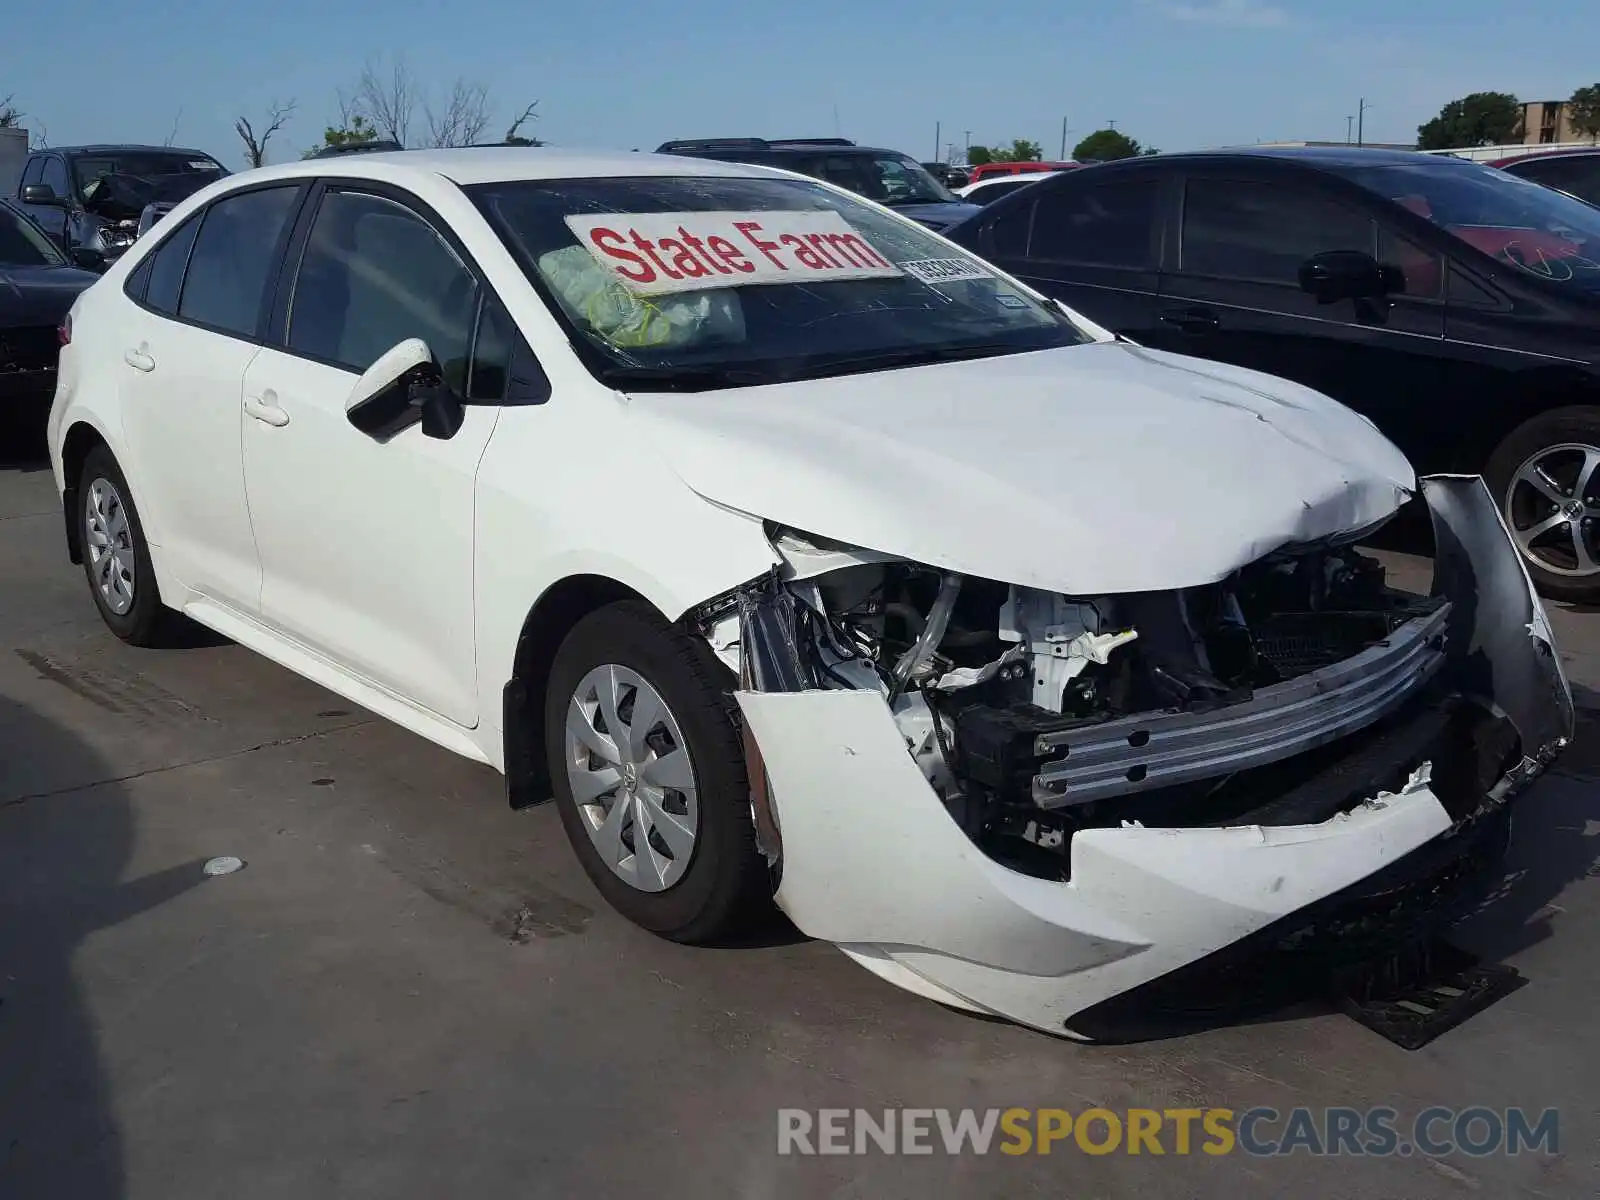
{"x": 1033, "y": 715}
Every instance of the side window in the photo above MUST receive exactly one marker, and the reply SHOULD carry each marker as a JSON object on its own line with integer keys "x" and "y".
{"x": 491, "y": 357}
{"x": 1109, "y": 225}
{"x": 31, "y": 172}
{"x": 55, "y": 174}
{"x": 166, "y": 268}
{"x": 1008, "y": 231}
{"x": 233, "y": 256}
{"x": 373, "y": 274}
{"x": 1423, "y": 269}
{"x": 1262, "y": 231}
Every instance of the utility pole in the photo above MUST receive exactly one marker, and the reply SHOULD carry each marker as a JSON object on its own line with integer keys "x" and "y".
{"x": 1111, "y": 125}
{"x": 1063, "y": 157}
{"x": 938, "y": 129}
{"x": 1361, "y": 121}
{"x": 1348, "y": 123}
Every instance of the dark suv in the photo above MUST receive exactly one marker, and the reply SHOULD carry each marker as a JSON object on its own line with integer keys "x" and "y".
{"x": 887, "y": 176}
{"x": 89, "y": 199}
{"x": 1454, "y": 304}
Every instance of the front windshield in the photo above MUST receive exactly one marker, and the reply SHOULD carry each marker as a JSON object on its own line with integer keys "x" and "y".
{"x": 160, "y": 171}
{"x": 1523, "y": 224}
{"x": 892, "y": 179}
{"x": 701, "y": 282}
{"x": 22, "y": 244}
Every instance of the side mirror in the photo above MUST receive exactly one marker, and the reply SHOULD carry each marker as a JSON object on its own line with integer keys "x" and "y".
{"x": 402, "y": 388}
{"x": 89, "y": 260}
{"x": 1337, "y": 275}
{"x": 42, "y": 193}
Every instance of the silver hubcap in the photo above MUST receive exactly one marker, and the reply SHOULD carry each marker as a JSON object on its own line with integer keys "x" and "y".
{"x": 1553, "y": 512}
{"x": 631, "y": 777}
{"x": 109, "y": 544}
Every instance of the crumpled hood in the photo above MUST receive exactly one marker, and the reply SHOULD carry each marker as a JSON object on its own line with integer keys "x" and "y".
{"x": 1087, "y": 469}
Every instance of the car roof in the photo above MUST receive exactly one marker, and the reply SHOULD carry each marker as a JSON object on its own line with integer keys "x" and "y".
{"x": 500, "y": 164}
{"x": 117, "y": 147}
{"x": 1569, "y": 152}
{"x": 1323, "y": 157}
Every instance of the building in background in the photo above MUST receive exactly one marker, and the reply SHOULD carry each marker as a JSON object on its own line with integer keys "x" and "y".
{"x": 13, "y": 153}
{"x": 1548, "y": 123}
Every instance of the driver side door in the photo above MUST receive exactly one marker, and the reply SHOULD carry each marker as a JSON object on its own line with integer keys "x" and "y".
{"x": 366, "y": 546}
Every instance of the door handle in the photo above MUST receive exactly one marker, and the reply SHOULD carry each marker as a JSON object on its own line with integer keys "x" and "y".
{"x": 1192, "y": 320}
{"x": 139, "y": 359}
{"x": 264, "y": 408}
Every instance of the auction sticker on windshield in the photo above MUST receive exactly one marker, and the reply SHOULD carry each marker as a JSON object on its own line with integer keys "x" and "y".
{"x": 655, "y": 253}
{"x": 944, "y": 270}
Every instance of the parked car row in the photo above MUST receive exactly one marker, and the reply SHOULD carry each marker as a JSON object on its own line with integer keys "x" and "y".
{"x": 807, "y": 557}
{"x": 1454, "y": 304}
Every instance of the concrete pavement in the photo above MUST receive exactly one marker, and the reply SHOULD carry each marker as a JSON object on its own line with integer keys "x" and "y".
{"x": 411, "y": 991}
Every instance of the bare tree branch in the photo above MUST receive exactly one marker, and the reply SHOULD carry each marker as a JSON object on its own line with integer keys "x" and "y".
{"x": 512, "y": 136}
{"x": 255, "y": 148}
{"x": 464, "y": 117}
{"x": 10, "y": 115}
{"x": 41, "y": 136}
{"x": 172, "y": 134}
{"x": 388, "y": 104}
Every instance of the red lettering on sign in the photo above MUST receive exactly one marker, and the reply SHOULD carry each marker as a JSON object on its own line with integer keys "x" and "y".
{"x": 699, "y": 248}
{"x": 807, "y": 256}
{"x": 691, "y": 266}
{"x": 649, "y": 248}
{"x": 730, "y": 254}
{"x": 747, "y": 228}
{"x": 854, "y": 250}
{"x": 819, "y": 243}
{"x": 640, "y": 272}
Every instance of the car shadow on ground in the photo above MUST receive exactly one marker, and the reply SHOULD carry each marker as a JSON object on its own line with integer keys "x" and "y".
{"x": 22, "y": 444}
{"x": 62, "y": 859}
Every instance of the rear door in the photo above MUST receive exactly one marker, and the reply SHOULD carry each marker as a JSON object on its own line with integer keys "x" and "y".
{"x": 1234, "y": 295}
{"x": 184, "y": 349}
{"x": 1095, "y": 245}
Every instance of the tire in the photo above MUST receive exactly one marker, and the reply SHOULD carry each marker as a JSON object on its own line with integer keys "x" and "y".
{"x": 1561, "y": 441}
{"x": 106, "y": 507}
{"x": 698, "y": 889}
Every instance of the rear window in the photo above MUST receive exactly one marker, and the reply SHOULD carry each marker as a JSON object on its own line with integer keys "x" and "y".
{"x": 684, "y": 283}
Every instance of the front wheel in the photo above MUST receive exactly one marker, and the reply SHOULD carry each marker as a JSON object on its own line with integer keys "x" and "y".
{"x": 649, "y": 776}
{"x": 1546, "y": 478}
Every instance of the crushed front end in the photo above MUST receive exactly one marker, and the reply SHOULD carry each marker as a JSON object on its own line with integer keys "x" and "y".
{"x": 1029, "y": 804}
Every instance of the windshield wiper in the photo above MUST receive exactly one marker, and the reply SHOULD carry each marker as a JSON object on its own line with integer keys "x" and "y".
{"x": 888, "y": 360}
{"x": 682, "y": 379}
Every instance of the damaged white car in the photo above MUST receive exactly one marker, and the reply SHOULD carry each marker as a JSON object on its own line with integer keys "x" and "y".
{"x": 803, "y": 556}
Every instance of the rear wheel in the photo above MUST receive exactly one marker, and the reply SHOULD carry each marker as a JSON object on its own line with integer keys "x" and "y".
{"x": 1546, "y": 478}
{"x": 649, "y": 775}
{"x": 116, "y": 559}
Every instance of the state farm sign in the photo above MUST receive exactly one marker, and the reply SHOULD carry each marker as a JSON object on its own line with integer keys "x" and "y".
{"x": 655, "y": 253}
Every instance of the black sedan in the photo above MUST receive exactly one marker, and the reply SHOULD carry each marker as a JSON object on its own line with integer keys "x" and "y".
{"x": 37, "y": 287}
{"x": 1455, "y": 305}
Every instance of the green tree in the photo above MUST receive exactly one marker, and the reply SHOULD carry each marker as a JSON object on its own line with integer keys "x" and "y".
{"x": 10, "y": 114}
{"x": 1020, "y": 150}
{"x": 1584, "y": 109}
{"x": 1481, "y": 119}
{"x": 354, "y": 130}
{"x": 978, "y": 155}
{"x": 1104, "y": 145}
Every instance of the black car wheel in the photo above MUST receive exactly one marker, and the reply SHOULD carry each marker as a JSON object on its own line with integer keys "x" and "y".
{"x": 1546, "y": 478}
{"x": 649, "y": 775}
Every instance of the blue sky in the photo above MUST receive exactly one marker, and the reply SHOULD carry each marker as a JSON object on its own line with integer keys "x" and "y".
{"x": 1179, "y": 74}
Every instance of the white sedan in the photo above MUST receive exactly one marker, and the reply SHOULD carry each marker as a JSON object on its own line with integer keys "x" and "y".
{"x": 987, "y": 191}
{"x": 802, "y": 556}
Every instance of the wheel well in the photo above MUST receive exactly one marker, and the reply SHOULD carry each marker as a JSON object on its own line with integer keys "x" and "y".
{"x": 545, "y": 628}
{"x": 80, "y": 439}
{"x": 1539, "y": 393}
